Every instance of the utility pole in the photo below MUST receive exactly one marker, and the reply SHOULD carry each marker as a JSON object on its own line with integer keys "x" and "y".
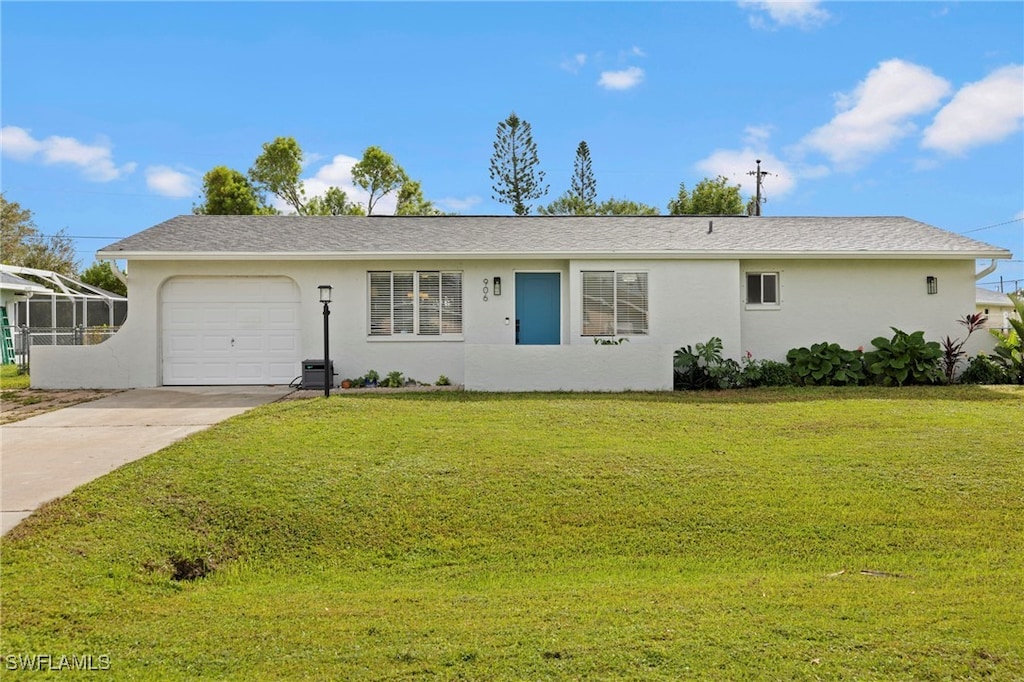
{"x": 759, "y": 174}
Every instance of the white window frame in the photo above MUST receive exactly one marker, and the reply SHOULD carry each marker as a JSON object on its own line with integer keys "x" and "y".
{"x": 760, "y": 303}
{"x": 618, "y": 301}
{"x": 446, "y": 296}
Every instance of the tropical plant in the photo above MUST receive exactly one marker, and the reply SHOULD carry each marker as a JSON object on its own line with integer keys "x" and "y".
{"x": 953, "y": 349}
{"x": 827, "y": 364}
{"x": 703, "y": 367}
{"x": 904, "y": 359}
{"x": 393, "y": 380}
{"x": 1010, "y": 344}
{"x": 981, "y": 369}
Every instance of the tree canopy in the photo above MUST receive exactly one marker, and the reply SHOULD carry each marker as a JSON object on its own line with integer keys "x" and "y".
{"x": 615, "y": 206}
{"x": 378, "y": 174}
{"x": 514, "y": 166}
{"x": 412, "y": 202}
{"x": 276, "y": 170}
{"x": 101, "y": 274}
{"x": 333, "y": 202}
{"x": 228, "y": 192}
{"x": 709, "y": 197}
{"x": 21, "y": 242}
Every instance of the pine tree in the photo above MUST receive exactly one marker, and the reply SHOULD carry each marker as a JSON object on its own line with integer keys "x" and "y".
{"x": 583, "y": 187}
{"x": 514, "y": 166}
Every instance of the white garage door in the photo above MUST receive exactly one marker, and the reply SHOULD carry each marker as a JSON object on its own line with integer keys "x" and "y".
{"x": 223, "y": 331}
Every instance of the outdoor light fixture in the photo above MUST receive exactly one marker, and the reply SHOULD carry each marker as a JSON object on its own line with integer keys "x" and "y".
{"x": 933, "y": 284}
{"x": 497, "y": 286}
{"x": 325, "y": 298}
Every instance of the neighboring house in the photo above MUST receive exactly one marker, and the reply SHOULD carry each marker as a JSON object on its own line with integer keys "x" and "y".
{"x": 996, "y": 306}
{"x": 234, "y": 299}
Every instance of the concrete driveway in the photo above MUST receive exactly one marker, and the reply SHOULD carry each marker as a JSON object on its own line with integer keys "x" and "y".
{"x": 50, "y": 455}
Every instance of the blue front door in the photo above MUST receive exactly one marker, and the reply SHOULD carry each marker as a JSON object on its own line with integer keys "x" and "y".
{"x": 538, "y": 308}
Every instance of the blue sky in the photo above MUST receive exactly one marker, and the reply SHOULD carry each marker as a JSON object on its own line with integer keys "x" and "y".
{"x": 112, "y": 112}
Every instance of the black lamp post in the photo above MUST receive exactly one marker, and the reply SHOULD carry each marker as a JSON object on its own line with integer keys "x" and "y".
{"x": 325, "y": 298}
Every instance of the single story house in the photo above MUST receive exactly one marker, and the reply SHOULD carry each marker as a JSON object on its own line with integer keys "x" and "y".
{"x": 511, "y": 303}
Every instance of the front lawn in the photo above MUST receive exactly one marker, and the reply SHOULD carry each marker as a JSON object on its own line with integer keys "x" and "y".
{"x": 772, "y": 534}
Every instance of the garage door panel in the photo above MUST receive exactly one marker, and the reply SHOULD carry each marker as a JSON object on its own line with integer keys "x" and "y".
{"x": 282, "y": 315}
{"x": 176, "y": 344}
{"x": 248, "y": 342}
{"x": 282, "y": 343}
{"x": 230, "y": 330}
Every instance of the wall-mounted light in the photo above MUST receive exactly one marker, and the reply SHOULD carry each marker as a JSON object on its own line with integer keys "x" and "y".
{"x": 933, "y": 284}
{"x": 497, "y": 286}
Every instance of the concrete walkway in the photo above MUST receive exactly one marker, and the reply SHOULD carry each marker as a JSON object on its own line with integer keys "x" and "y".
{"x": 50, "y": 455}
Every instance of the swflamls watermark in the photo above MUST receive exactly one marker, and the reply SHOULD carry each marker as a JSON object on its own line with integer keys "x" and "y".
{"x": 56, "y": 662}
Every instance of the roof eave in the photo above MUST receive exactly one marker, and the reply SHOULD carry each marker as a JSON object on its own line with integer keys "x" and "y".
{"x": 538, "y": 255}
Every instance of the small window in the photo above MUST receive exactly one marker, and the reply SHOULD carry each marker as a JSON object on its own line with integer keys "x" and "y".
{"x": 415, "y": 303}
{"x": 763, "y": 288}
{"x": 614, "y": 303}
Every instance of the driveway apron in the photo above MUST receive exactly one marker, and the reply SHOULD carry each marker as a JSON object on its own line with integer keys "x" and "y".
{"x": 48, "y": 456}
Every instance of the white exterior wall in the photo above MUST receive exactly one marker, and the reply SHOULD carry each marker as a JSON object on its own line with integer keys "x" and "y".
{"x": 846, "y": 301}
{"x": 850, "y": 302}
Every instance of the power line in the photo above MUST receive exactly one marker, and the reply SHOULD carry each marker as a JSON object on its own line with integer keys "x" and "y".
{"x": 989, "y": 227}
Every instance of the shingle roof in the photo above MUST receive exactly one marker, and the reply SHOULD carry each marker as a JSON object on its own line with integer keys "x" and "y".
{"x": 992, "y": 298}
{"x": 483, "y": 236}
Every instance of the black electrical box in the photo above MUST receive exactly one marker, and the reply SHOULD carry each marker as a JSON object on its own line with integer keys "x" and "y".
{"x": 313, "y": 374}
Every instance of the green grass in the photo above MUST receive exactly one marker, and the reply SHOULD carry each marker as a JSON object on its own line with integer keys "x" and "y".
{"x": 467, "y": 536}
{"x": 11, "y": 379}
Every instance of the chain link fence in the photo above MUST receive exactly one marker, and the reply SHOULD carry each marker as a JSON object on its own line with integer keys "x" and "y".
{"x": 25, "y": 338}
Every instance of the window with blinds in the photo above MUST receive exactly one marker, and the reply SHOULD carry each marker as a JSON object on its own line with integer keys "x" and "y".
{"x": 426, "y": 303}
{"x": 615, "y": 303}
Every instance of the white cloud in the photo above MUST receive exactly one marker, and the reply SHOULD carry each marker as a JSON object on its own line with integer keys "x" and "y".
{"x": 17, "y": 143}
{"x": 637, "y": 52}
{"x": 803, "y": 14}
{"x": 95, "y": 161}
{"x": 168, "y": 182}
{"x": 878, "y": 112}
{"x": 981, "y": 113}
{"x": 736, "y": 164}
{"x": 621, "y": 80}
{"x": 456, "y": 204}
{"x": 575, "y": 63}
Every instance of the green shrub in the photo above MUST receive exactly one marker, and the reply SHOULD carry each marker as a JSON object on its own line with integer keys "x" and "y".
{"x": 982, "y": 370}
{"x": 827, "y": 364}
{"x": 904, "y": 359}
{"x": 704, "y": 367}
{"x": 443, "y": 381}
{"x": 755, "y": 373}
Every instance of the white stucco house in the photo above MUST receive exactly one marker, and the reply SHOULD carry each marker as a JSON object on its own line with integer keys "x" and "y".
{"x": 511, "y": 303}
